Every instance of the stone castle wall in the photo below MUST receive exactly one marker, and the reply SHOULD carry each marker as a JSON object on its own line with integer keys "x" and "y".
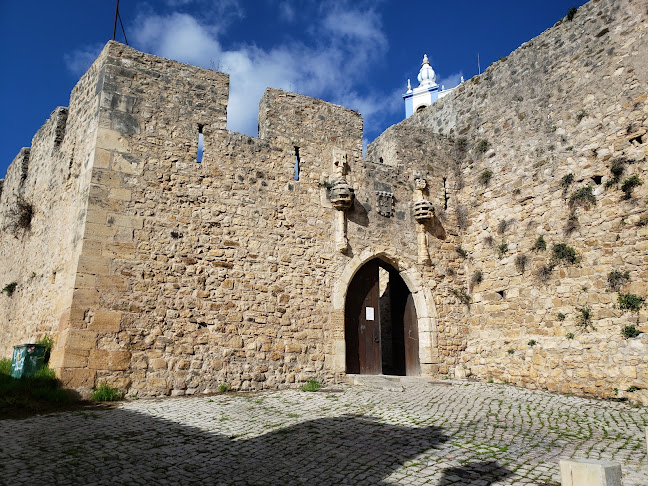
{"x": 571, "y": 101}
{"x": 40, "y": 253}
{"x": 174, "y": 276}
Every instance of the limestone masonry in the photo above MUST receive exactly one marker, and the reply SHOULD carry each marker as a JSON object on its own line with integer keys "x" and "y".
{"x": 288, "y": 256}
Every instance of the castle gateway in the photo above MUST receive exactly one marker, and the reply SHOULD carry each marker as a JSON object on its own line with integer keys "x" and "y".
{"x": 446, "y": 251}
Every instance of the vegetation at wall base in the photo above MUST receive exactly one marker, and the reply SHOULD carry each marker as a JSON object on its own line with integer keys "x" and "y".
{"x": 37, "y": 394}
{"x": 311, "y": 386}
{"x": 106, "y": 393}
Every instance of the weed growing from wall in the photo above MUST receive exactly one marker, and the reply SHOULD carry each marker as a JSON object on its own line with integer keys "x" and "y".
{"x": 521, "y": 262}
{"x": 571, "y": 13}
{"x": 629, "y": 185}
{"x": 630, "y": 332}
{"x": 461, "y": 296}
{"x": 631, "y": 302}
{"x": 10, "y": 288}
{"x": 476, "y": 278}
{"x": 540, "y": 244}
{"x": 616, "y": 279}
{"x": 482, "y": 146}
{"x": 562, "y": 253}
{"x": 20, "y": 216}
{"x": 583, "y": 197}
{"x": 485, "y": 177}
{"x": 461, "y": 252}
{"x": 585, "y": 318}
{"x": 502, "y": 249}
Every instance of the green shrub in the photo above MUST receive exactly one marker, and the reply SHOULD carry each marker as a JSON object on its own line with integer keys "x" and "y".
{"x": 629, "y": 332}
{"x": 106, "y": 393}
{"x": 511, "y": 351}
{"x": 562, "y": 253}
{"x": 532, "y": 342}
{"x": 616, "y": 279}
{"x": 10, "y": 288}
{"x": 631, "y": 302}
{"x": 462, "y": 143}
{"x": 482, "y": 146}
{"x": 566, "y": 181}
{"x": 629, "y": 184}
{"x": 485, "y": 177}
{"x": 224, "y": 387}
{"x": 570, "y": 335}
{"x": 311, "y": 385}
{"x": 461, "y": 295}
{"x": 585, "y": 318}
{"x": 502, "y": 249}
{"x": 571, "y": 13}
{"x": 540, "y": 244}
{"x": 582, "y": 197}
{"x": 561, "y": 316}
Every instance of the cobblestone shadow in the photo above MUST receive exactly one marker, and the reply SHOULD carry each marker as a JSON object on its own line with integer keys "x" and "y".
{"x": 124, "y": 447}
{"x": 475, "y": 474}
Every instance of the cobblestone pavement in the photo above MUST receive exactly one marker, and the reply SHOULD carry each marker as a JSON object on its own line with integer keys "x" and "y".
{"x": 408, "y": 433}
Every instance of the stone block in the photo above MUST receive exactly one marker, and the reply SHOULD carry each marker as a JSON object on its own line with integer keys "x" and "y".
{"x": 590, "y": 472}
{"x": 77, "y": 377}
{"x": 111, "y": 282}
{"x": 101, "y": 359}
{"x": 78, "y": 339}
{"x": 93, "y": 265}
{"x": 105, "y": 321}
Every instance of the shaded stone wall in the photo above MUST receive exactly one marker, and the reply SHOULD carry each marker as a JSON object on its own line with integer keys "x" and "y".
{"x": 571, "y": 101}
{"x": 39, "y": 252}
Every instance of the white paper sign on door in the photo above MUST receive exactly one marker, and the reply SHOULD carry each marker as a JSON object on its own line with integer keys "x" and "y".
{"x": 369, "y": 313}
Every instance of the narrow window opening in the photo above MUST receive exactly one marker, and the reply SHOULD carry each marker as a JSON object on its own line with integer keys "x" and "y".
{"x": 636, "y": 139}
{"x": 597, "y": 179}
{"x": 380, "y": 159}
{"x": 501, "y": 292}
{"x": 297, "y": 163}
{"x": 201, "y": 142}
{"x": 445, "y": 194}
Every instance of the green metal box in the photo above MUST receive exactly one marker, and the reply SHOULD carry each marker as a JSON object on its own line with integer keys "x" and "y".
{"x": 27, "y": 360}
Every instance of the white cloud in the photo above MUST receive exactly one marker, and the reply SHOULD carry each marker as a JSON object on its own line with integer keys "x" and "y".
{"x": 333, "y": 57}
{"x": 79, "y": 60}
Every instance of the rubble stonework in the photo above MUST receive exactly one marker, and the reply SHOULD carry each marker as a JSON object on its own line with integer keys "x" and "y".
{"x": 163, "y": 275}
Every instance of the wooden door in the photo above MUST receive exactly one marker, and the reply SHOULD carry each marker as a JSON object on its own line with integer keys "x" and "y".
{"x": 410, "y": 324}
{"x": 362, "y": 322}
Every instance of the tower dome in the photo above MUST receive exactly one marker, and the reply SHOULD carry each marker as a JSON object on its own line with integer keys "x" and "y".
{"x": 426, "y": 75}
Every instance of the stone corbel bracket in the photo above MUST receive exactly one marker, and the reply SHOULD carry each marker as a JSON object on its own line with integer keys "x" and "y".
{"x": 422, "y": 211}
{"x": 341, "y": 196}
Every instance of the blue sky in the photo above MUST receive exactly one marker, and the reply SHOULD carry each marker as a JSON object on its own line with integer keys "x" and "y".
{"x": 354, "y": 53}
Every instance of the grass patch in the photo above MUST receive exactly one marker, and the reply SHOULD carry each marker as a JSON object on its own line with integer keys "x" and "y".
{"x": 106, "y": 393}
{"x": 41, "y": 392}
{"x": 482, "y": 146}
{"x": 502, "y": 249}
{"x": 311, "y": 385}
{"x": 224, "y": 387}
